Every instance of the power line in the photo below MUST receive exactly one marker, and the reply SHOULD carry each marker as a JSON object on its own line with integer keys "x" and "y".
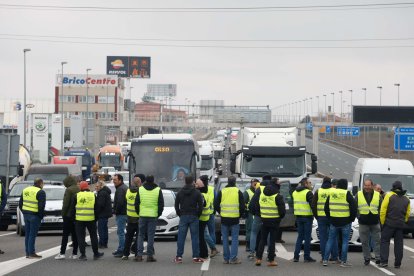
{"x": 212, "y": 40}
{"x": 210, "y": 9}
{"x": 207, "y": 46}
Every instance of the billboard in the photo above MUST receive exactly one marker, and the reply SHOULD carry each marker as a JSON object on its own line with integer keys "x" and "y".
{"x": 41, "y": 137}
{"x": 129, "y": 67}
{"x": 383, "y": 114}
{"x": 57, "y": 131}
{"x": 161, "y": 90}
{"x": 75, "y": 80}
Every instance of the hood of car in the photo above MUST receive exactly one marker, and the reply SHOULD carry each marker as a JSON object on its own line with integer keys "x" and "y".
{"x": 167, "y": 211}
{"x": 53, "y": 205}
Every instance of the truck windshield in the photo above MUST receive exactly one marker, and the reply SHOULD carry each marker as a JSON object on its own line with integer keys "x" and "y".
{"x": 386, "y": 180}
{"x": 206, "y": 163}
{"x": 281, "y": 166}
{"x": 110, "y": 160}
{"x": 51, "y": 177}
{"x": 168, "y": 161}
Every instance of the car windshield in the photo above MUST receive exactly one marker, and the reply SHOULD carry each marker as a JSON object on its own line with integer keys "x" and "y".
{"x": 168, "y": 199}
{"x": 386, "y": 180}
{"x": 49, "y": 177}
{"x": 281, "y": 166}
{"x": 17, "y": 189}
{"x": 53, "y": 193}
{"x": 112, "y": 160}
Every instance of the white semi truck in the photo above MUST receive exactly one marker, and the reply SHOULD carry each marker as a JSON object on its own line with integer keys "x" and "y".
{"x": 207, "y": 166}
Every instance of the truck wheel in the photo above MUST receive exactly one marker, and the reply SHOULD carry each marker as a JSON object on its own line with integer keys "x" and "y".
{"x": 4, "y": 227}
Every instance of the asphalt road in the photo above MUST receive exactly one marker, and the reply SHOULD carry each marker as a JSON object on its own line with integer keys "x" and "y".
{"x": 13, "y": 262}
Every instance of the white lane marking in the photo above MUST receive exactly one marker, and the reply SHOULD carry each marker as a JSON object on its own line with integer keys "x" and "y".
{"x": 8, "y": 234}
{"x": 340, "y": 150}
{"x": 405, "y": 247}
{"x": 205, "y": 265}
{"x": 283, "y": 253}
{"x": 382, "y": 269}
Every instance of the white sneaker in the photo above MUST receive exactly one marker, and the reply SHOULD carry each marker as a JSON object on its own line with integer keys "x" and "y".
{"x": 60, "y": 257}
{"x": 73, "y": 257}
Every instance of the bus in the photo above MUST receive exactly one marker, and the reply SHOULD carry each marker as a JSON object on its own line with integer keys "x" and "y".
{"x": 87, "y": 160}
{"x": 168, "y": 157}
{"x": 111, "y": 156}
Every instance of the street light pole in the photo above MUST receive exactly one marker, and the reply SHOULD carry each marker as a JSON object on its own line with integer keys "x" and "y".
{"x": 87, "y": 107}
{"x": 319, "y": 113}
{"x": 62, "y": 118}
{"x": 350, "y": 115}
{"x": 365, "y": 95}
{"x": 380, "y": 94}
{"x": 398, "y": 91}
{"x": 333, "y": 106}
{"x": 340, "y": 92}
{"x": 24, "y": 97}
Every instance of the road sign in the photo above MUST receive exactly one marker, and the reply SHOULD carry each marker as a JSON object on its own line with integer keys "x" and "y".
{"x": 348, "y": 131}
{"x": 404, "y": 130}
{"x": 406, "y": 142}
{"x": 309, "y": 126}
{"x": 328, "y": 129}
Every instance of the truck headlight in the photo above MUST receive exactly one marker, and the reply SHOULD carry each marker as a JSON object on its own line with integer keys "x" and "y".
{"x": 172, "y": 215}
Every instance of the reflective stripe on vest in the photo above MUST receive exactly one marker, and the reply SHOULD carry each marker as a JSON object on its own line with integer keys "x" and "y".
{"x": 205, "y": 215}
{"x": 300, "y": 205}
{"x": 229, "y": 204}
{"x": 148, "y": 206}
{"x": 268, "y": 208}
{"x": 85, "y": 206}
{"x": 130, "y": 199}
{"x": 338, "y": 206}
{"x": 210, "y": 192}
{"x": 364, "y": 208}
{"x": 30, "y": 202}
{"x": 322, "y": 197}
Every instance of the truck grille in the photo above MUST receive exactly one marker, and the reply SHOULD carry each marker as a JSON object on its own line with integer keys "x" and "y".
{"x": 55, "y": 213}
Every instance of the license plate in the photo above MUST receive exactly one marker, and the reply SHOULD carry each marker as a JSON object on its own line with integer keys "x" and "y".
{"x": 50, "y": 220}
{"x": 242, "y": 221}
{"x": 14, "y": 217}
{"x": 158, "y": 228}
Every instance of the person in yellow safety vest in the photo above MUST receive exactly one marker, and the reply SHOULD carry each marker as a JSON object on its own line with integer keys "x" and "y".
{"x": 210, "y": 232}
{"x": 394, "y": 214}
{"x": 302, "y": 200}
{"x": 84, "y": 205}
{"x": 32, "y": 203}
{"x": 149, "y": 204}
{"x": 133, "y": 217}
{"x": 369, "y": 206}
{"x": 271, "y": 207}
{"x": 229, "y": 203}
{"x": 205, "y": 214}
{"x": 341, "y": 210}
{"x": 3, "y": 201}
{"x": 318, "y": 209}
{"x": 248, "y": 195}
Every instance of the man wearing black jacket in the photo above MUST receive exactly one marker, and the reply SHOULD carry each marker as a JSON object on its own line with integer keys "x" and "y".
{"x": 103, "y": 212}
{"x": 229, "y": 203}
{"x": 188, "y": 206}
{"x": 341, "y": 210}
{"x": 271, "y": 209}
{"x": 120, "y": 212}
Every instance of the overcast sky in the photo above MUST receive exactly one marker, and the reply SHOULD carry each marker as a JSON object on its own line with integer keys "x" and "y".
{"x": 240, "y": 76}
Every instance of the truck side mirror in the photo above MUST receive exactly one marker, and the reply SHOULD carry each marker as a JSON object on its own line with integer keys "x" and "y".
{"x": 314, "y": 165}
{"x": 354, "y": 190}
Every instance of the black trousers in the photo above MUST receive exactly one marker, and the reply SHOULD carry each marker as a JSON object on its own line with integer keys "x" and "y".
{"x": 131, "y": 232}
{"x": 387, "y": 233}
{"x": 267, "y": 230}
{"x": 81, "y": 227}
{"x": 69, "y": 229}
{"x": 203, "y": 245}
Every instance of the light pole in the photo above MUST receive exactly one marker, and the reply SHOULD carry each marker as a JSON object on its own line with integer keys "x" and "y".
{"x": 398, "y": 92}
{"x": 340, "y": 92}
{"x": 350, "y": 111}
{"x": 319, "y": 113}
{"x": 326, "y": 120}
{"x": 311, "y": 106}
{"x": 62, "y": 118}
{"x": 380, "y": 94}
{"x": 24, "y": 97}
{"x": 333, "y": 106}
{"x": 87, "y": 107}
{"x": 365, "y": 95}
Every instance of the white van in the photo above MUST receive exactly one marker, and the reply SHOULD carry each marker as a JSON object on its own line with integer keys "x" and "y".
{"x": 385, "y": 172}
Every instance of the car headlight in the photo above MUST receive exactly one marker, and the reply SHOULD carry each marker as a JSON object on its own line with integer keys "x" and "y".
{"x": 172, "y": 215}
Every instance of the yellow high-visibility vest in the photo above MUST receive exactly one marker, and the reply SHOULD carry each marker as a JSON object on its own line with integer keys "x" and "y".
{"x": 30, "y": 202}
{"x": 268, "y": 207}
{"x": 364, "y": 208}
{"x": 300, "y": 206}
{"x": 130, "y": 199}
{"x": 210, "y": 192}
{"x": 229, "y": 204}
{"x": 85, "y": 206}
{"x": 205, "y": 215}
{"x": 148, "y": 206}
{"x": 322, "y": 197}
{"x": 338, "y": 205}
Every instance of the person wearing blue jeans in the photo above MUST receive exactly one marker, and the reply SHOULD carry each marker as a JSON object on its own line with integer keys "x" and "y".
{"x": 210, "y": 235}
{"x": 256, "y": 225}
{"x": 103, "y": 232}
{"x": 188, "y": 222}
{"x": 32, "y": 203}
{"x": 333, "y": 240}
{"x": 230, "y": 254}
{"x": 146, "y": 226}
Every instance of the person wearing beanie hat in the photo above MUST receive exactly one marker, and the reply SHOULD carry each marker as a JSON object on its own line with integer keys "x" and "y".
{"x": 341, "y": 210}
{"x": 394, "y": 214}
{"x": 84, "y": 206}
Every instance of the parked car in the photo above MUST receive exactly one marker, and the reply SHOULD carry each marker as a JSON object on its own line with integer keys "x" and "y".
{"x": 9, "y": 215}
{"x": 53, "y": 211}
{"x": 167, "y": 223}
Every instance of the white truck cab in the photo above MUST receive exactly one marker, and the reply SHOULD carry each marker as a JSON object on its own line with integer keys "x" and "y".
{"x": 207, "y": 166}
